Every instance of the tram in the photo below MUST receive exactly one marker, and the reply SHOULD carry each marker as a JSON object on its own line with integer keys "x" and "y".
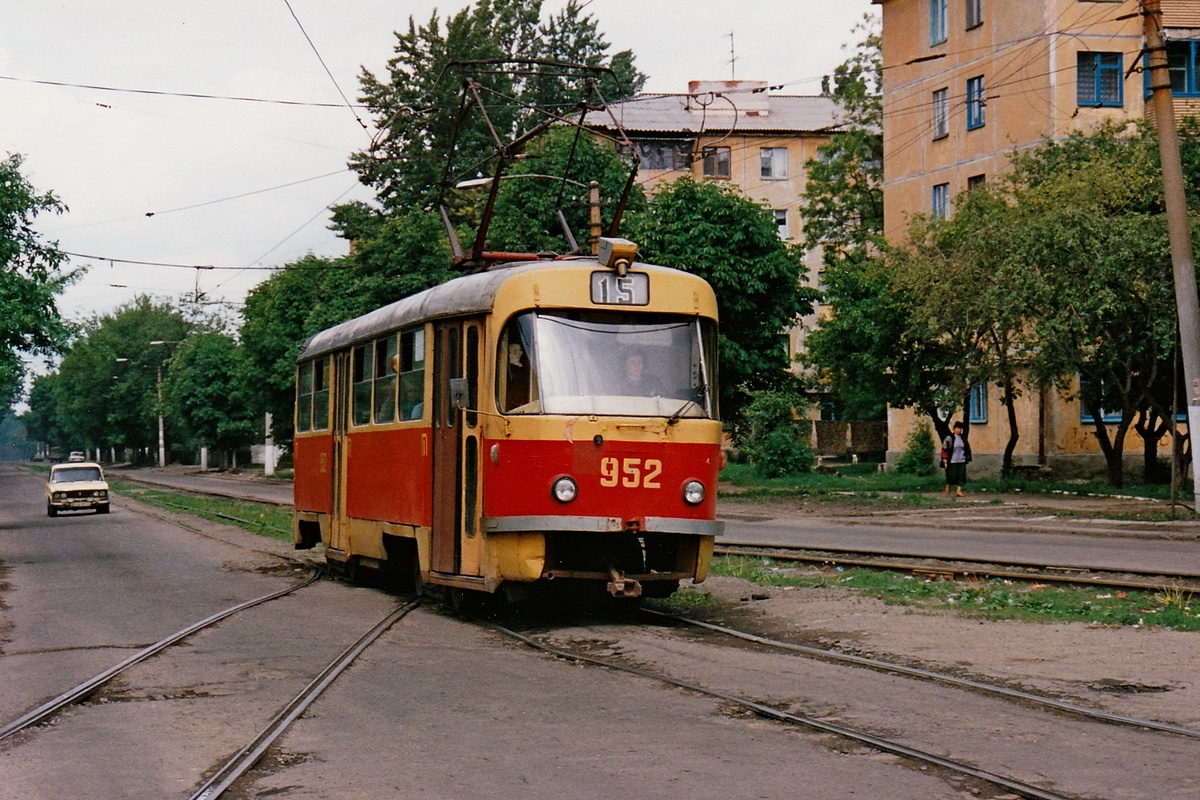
{"x": 545, "y": 420}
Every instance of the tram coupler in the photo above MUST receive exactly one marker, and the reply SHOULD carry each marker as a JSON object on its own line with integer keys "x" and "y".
{"x": 620, "y": 586}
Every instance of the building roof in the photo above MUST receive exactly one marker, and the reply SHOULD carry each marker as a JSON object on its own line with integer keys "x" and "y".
{"x": 720, "y": 107}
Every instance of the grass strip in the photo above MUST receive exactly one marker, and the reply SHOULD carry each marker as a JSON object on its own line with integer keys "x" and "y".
{"x": 985, "y": 599}
{"x": 258, "y": 518}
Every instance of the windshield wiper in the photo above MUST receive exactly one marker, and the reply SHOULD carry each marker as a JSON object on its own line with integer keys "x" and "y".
{"x": 671, "y": 420}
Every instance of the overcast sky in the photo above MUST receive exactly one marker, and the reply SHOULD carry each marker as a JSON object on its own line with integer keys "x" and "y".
{"x": 194, "y": 181}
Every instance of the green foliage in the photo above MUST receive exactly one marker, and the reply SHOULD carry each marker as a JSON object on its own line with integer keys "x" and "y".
{"x": 526, "y": 209}
{"x": 418, "y": 102}
{"x": 105, "y": 391}
{"x": 918, "y": 455}
{"x": 773, "y": 436}
{"x": 866, "y": 329}
{"x": 711, "y": 229}
{"x": 204, "y": 389}
{"x": 31, "y": 277}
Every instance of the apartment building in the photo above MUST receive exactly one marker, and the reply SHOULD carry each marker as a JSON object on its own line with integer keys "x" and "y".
{"x": 742, "y": 132}
{"x": 965, "y": 83}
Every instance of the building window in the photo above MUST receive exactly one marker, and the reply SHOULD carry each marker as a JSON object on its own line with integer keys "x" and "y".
{"x": 1181, "y": 62}
{"x": 975, "y": 103}
{"x": 716, "y": 162}
{"x": 664, "y": 155}
{"x": 976, "y": 182}
{"x": 1099, "y": 79}
{"x": 773, "y": 162}
{"x": 937, "y": 21}
{"x": 974, "y": 13}
{"x": 781, "y": 222}
{"x": 940, "y": 205}
{"x": 979, "y": 403}
{"x": 941, "y": 113}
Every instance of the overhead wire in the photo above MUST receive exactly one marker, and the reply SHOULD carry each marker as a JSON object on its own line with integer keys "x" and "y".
{"x": 317, "y": 53}
{"x": 164, "y": 93}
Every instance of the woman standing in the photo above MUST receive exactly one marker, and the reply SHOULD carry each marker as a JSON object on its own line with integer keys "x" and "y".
{"x": 956, "y": 454}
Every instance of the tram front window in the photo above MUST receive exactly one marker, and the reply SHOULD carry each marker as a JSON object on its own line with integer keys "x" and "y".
{"x": 612, "y": 364}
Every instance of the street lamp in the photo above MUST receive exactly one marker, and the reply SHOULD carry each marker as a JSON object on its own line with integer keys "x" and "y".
{"x": 162, "y": 445}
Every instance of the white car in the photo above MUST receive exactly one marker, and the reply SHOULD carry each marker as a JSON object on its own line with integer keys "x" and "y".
{"x": 76, "y": 486}
{"x": 77, "y": 455}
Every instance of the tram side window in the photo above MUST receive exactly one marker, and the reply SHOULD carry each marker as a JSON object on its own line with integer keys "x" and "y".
{"x": 361, "y": 379}
{"x": 412, "y": 374}
{"x": 516, "y": 379}
{"x": 304, "y": 392}
{"x": 386, "y": 368}
{"x": 320, "y": 395}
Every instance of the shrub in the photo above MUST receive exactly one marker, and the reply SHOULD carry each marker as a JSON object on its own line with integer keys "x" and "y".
{"x": 775, "y": 441}
{"x": 917, "y": 458}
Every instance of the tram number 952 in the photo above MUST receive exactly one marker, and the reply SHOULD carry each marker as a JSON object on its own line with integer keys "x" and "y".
{"x": 632, "y": 473}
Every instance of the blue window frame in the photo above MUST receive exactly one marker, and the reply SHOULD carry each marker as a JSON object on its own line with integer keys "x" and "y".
{"x": 975, "y": 103}
{"x": 1182, "y": 59}
{"x": 1099, "y": 80}
{"x": 979, "y": 403}
{"x": 940, "y": 201}
{"x": 937, "y": 21}
{"x": 941, "y": 113}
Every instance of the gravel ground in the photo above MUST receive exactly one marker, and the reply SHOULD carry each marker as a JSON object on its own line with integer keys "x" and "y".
{"x": 1137, "y": 671}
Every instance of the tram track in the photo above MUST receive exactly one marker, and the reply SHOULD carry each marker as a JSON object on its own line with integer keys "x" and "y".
{"x": 778, "y": 714}
{"x": 634, "y": 653}
{"x": 951, "y": 568}
{"x": 84, "y": 689}
{"x": 894, "y": 667}
{"x": 245, "y": 759}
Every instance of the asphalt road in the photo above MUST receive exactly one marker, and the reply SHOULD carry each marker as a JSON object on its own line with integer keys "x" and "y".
{"x": 1006, "y": 530}
{"x": 439, "y": 708}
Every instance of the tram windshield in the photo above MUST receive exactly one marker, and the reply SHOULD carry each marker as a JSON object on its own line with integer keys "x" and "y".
{"x": 606, "y": 363}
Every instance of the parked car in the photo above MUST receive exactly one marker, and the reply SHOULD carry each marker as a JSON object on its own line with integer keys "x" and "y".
{"x": 76, "y": 486}
{"x": 77, "y": 455}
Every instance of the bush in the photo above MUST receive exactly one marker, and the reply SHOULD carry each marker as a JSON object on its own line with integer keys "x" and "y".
{"x": 775, "y": 442}
{"x": 917, "y": 458}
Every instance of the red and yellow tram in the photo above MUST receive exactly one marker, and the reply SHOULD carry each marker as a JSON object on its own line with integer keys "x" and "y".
{"x": 549, "y": 419}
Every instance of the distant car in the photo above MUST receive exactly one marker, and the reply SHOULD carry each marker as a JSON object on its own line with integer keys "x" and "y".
{"x": 76, "y": 486}
{"x": 76, "y": 455}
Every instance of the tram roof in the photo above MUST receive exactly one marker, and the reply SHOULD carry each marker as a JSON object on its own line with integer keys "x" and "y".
{"x": 469, "y": 294}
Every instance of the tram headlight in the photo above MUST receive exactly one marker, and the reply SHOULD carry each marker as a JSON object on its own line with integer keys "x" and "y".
{"x": 565, "y": 489}
{"x": 693, "y": 493}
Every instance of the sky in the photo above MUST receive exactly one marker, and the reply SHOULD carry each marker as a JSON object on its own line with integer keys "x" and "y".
{"x": 245, "y": 186}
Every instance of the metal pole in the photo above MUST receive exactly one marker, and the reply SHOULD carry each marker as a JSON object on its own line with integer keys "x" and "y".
{"x": 162, "y": 448}
{"x": 1177, "y": 224}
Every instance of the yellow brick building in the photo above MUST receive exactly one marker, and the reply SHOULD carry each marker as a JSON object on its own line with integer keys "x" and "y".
{"x": 965, "y": 82}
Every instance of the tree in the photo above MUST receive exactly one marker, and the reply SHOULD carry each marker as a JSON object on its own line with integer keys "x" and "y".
{"x": 418, "y": 107}
{"x": 31, "y": 276}
{"x": 204, "y": 389}
{"x": 712, "y": 230}
{"x": 855, "y": 346}
{"x": 277, "y": 318}
{"x": 105, "y": 391}
{"x": 526, "y": 209}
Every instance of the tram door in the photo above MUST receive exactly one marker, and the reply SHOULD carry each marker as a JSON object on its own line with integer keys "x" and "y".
{"x": 339, "y": 524}
{"x": 457, "y": 549}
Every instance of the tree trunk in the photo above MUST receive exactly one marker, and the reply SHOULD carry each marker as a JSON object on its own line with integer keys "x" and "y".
{"x": 1013, "y": 433}
{"x": 1114, "y": 448}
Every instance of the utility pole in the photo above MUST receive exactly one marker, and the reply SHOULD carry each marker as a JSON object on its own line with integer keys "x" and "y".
{"x": 1177, "y": 224}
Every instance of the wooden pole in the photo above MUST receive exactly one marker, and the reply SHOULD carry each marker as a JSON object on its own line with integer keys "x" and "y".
{"x": 1178, "y": 228}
